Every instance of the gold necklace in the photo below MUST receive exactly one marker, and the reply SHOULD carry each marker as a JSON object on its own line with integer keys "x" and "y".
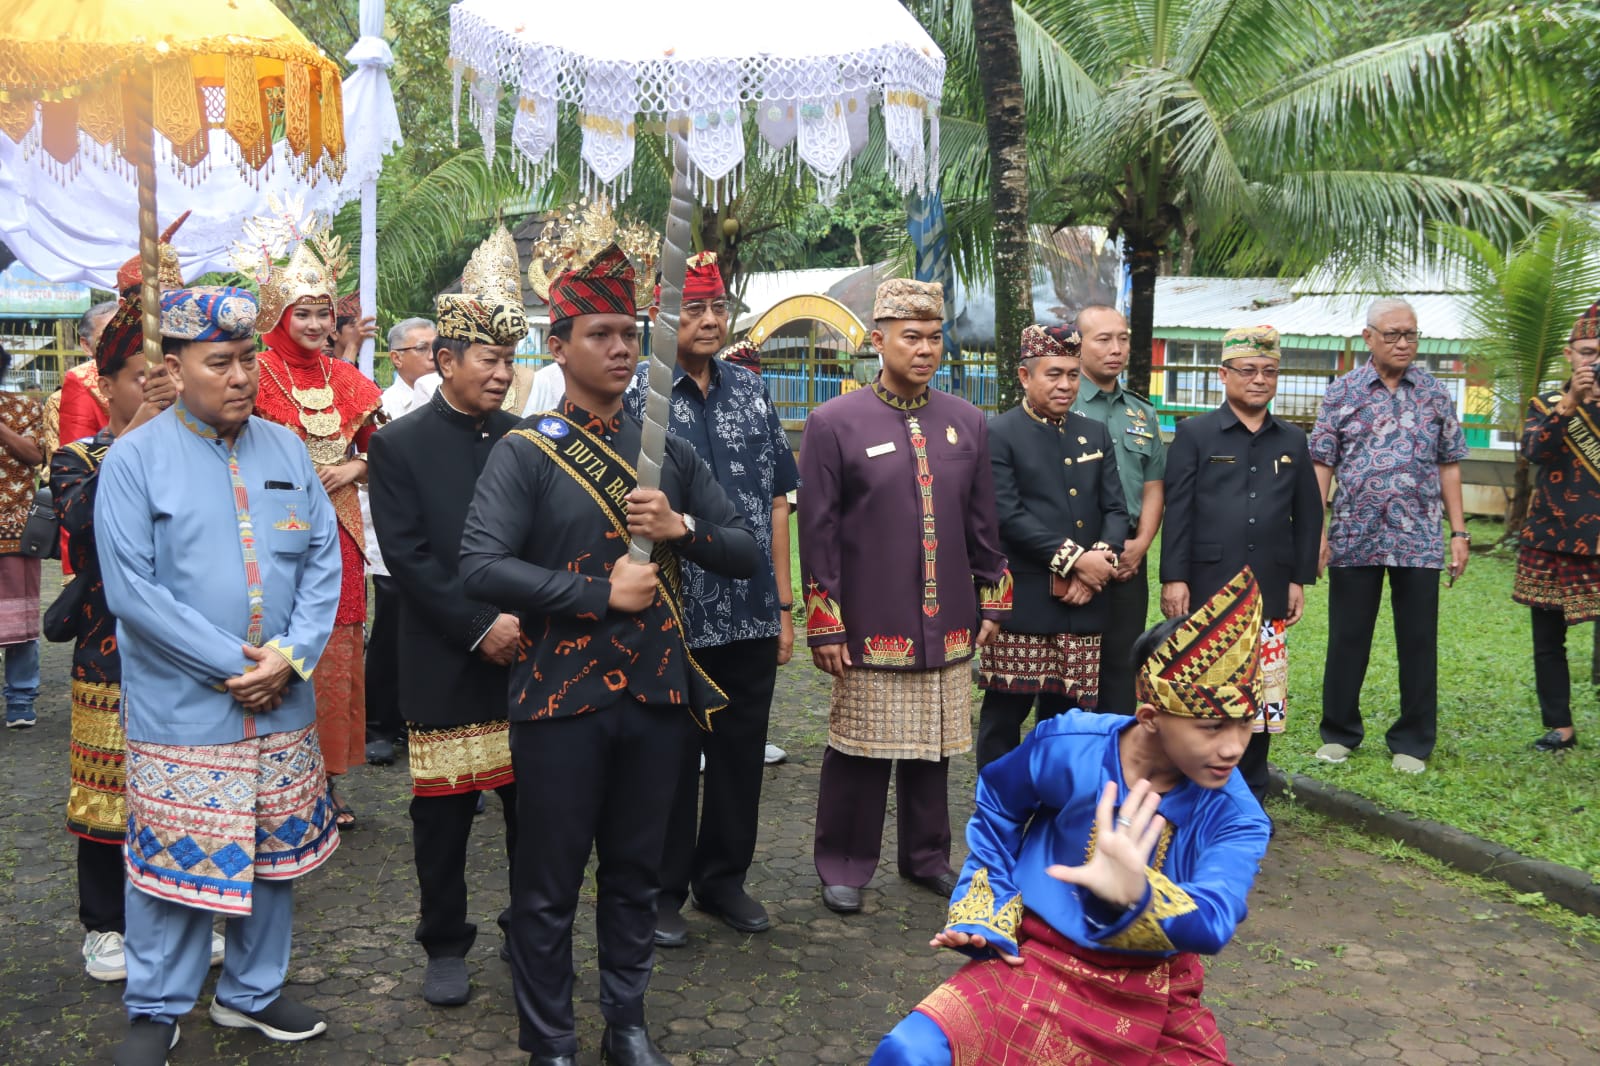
{"x": 315, "y": 416}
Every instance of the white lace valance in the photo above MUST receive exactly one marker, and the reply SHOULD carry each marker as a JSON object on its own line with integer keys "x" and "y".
{"x": 808, "y": 72}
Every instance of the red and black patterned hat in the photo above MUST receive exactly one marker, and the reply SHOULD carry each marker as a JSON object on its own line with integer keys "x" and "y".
{"x": 122, "y": 336}
{"x": 1587, "y": 328}
{"x": 1043, "y": 342}
{"x": 602, "y": 286}
{"x": 349, "y": 306}
{"x": 1209, "y": 667}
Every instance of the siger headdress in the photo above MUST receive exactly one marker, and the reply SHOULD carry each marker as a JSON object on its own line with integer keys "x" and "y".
{"x": 1210, "y": 666}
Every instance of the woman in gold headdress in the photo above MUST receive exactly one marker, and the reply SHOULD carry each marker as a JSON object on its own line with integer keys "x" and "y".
{"x": 334, "y": 409}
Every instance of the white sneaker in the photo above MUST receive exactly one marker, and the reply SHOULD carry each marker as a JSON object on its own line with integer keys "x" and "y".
{"x": 103, "y": 959}
{"x": 219, "y": 945}
{"x": 775, "y": 755}
{"x": 1408, "y": 764}
{"x": 1335, "y": 753}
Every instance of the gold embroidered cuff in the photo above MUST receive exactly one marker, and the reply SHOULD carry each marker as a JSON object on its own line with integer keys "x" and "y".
{"x": 287, "y": 651}
{"x": 977, "y": 908}
{"x": 823, "y": 616}
{"x": 996, "y": 597}
{"x": 1144, "y": 932}
{"x": 1066, "y": 556}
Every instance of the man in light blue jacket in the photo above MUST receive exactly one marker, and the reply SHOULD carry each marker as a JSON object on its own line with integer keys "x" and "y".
{"x": 220, "y": 555}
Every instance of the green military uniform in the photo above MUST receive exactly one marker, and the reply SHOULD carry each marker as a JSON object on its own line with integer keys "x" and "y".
{"x": 1135, "y": 432}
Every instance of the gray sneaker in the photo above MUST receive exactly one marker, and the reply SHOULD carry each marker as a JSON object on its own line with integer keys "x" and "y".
{"x": 283, "y": 1019}
{"x": 775, "y": 755}
{"x": 146, "y": 1044}
{"x": 1335, "y": 753}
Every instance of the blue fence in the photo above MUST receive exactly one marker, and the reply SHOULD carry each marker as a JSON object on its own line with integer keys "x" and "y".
{"x": 796, "y": 386}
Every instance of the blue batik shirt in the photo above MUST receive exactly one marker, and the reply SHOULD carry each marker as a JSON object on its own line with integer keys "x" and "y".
{"x": 734, "y": 428}
{"x": 1386, "y": 449}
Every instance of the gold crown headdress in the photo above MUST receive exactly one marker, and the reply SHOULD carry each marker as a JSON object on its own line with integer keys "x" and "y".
{"x": 488, "y": 309}
{"x": 577, "y": 234}
{"x": 314, "y": 258}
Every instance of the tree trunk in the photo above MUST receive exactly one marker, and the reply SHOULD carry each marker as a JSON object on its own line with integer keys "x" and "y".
{"x": 1000, "y": 76}
{"x": 1142, "y": 258}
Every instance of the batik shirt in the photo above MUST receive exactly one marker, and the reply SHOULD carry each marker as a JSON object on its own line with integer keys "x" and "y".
{"x": 1036, "y": 807}
{"x": 17, "y": 479}
{"x": 734, "y": 428}
{"x": 74, "y": 475}
{"x": 1564, "y": 514}
{"x": 207, "y": 546}
{"x": 1385, "y": 449}
{"x": 539, "y": 543}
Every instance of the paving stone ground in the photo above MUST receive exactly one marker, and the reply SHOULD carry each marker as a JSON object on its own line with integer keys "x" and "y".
{"x": 1346, "y": 958}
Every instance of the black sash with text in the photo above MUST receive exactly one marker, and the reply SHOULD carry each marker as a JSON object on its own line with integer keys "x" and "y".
{"x": 608, "y": 478}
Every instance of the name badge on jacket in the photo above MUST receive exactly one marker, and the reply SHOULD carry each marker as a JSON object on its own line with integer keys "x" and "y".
{"x": 880, "y": 449}
{"x": 1223, "y": 459}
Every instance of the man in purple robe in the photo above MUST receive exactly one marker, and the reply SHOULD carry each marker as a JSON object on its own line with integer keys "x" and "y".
{"x": 904, "y": 577}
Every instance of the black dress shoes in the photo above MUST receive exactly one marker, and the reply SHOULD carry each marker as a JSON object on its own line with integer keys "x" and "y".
{"x": 1553, "y": 741}
{"x": 380, "y": 751}
{"x": 739, "y": 911}
{"x": 630, "y": 1046}
{"x": 841, "y": 899}
{"x": 939, "y": 884}
{"x": 671, "y": 930}
{"x": 552, "y": 1060}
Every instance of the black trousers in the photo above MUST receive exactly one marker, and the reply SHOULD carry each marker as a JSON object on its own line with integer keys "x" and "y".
{"x": 1129, "y": 601}
{"x": 440, "y": 826}
{"x": 602, "y": 780}
{"x": 101, "y": 878}
{"x": 1353, "y": 596}
{"x": 1552, "y": 679}
{"x": 1001, "y": 716}
{"x": 715, "y": 860}
{"x": 383, "y": 663}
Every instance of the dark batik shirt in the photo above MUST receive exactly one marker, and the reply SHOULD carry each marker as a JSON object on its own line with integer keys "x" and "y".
{"x": 1385, "y": 449}
{"x": 1564, "y": 514}
{"x": 734, "y": 428}
{"x": 538, "y": 544}
{"x": 74, "y": 471}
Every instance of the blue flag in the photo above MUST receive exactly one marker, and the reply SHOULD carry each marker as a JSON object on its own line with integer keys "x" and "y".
{"x": 925, "y": 221}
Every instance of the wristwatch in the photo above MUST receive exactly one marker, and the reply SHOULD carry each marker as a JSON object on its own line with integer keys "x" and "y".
{"x": 1463, "y": 534}
{"x": 688, "y": 523}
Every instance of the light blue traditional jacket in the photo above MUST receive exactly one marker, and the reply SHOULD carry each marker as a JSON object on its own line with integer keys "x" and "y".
{"x": 205, "y": 548}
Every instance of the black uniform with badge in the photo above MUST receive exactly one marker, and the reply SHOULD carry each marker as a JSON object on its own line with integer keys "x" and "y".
{"x": 1057, "y": 495}
{"x": 1235, "y": 499}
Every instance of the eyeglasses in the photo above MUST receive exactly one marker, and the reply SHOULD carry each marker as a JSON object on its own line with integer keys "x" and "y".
{"x": 1266, "y": 373}
{"x": 411, "y": 348}
{"x": 1395, "y": 336}
{"x": 698, "y": 308}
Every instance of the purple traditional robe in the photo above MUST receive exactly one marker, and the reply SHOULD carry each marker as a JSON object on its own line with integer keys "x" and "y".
{"x": 899, "y": 545}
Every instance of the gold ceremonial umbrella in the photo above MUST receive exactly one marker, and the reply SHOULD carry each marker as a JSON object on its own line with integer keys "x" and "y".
{"x": 92, "y": 82}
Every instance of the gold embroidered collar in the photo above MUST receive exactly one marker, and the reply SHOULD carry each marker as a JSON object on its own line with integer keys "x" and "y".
{"x": 1027, "y": 409}
{"x": 897, "y": 402}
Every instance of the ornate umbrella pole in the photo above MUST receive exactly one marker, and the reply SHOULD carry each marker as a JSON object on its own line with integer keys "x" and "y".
{"x": 664, "y": 336}
{"x": 142, "y": 143}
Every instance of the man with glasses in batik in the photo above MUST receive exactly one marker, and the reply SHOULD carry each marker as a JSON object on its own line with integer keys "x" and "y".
{"x": 741, "y": 630}
{"x": 1240, "y": 492}
{"x": 1388, "y": 433}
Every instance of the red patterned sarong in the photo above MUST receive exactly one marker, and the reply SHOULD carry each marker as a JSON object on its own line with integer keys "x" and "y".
{"x": 1557, "y": 581}
{"x": 1064, "y": 664}
{"x": 340, "y": 682}
{"x": 1070, "y": 1006}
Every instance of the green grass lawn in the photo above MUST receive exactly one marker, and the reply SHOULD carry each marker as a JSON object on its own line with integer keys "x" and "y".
{"x": 1483, "y": 777}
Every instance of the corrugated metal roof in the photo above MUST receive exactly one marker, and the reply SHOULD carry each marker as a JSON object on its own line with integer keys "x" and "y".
{"x": 1226, "y": 303}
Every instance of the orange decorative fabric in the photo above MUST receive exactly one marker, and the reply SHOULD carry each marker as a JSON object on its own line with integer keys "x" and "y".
{"x": 67, "y": 68}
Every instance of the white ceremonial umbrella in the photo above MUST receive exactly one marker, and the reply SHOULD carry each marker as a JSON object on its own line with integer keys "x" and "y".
{"x": 806, "y": 73}
{"x": 372, "y": 131}
{"x": 84, "y": 231}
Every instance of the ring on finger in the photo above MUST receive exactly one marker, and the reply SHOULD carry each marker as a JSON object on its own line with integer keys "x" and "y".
{"x": 1123, "y": 821}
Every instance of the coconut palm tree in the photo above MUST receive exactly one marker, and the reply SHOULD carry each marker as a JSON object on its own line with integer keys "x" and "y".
{"x": 1240, "y": 124}
{"x": 1525, "y": 301}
